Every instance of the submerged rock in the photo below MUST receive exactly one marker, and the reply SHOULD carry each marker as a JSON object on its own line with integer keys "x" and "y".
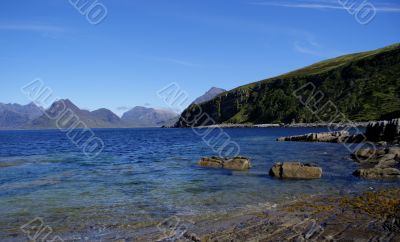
{"x": 236, "y": 163}
{"x": 334, "y": 137}
{"x": 295, "y": 170}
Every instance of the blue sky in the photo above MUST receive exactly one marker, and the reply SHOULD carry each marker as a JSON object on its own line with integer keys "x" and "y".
{"x": 143, "y": 45}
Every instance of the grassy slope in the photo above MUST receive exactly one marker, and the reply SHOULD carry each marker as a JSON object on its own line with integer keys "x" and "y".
{"x": 364, "y": 86}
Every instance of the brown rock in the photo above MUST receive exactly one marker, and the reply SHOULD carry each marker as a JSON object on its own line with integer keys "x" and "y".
{"x": 386, "y": 163}
{"x": 363, "y": 154}
{"x": 386, "y": 157}
{"x": 236, "y": 163}
{"x": 214, "y": 162}
{"x": 276, "y": 170}
{"x": 295, "y": 170}
{"x": 395, "y": 151}
{"x": 378, "y": 173}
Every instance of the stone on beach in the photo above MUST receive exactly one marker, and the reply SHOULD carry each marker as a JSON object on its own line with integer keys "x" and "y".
{"x": 236, "y": 163}
{"x": 295, "y": 170}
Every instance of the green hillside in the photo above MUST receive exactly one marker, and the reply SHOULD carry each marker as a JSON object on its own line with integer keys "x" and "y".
{"x": 364, "y": 86}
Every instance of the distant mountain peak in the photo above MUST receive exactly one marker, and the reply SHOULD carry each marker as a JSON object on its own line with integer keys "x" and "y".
{"x": 210, "y": 94}
{"x": 213, "y": 89}
{"x": 147, "y": 117}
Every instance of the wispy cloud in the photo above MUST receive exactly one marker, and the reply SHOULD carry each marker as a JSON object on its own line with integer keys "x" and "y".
{"x": 307, "y": 49}
{"x": 31, "y": 27}
{"x": 327, "y": 4}
{"x": 308, "y": 44}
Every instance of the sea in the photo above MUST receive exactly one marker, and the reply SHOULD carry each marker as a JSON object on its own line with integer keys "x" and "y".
{"x": 144, "y": 177}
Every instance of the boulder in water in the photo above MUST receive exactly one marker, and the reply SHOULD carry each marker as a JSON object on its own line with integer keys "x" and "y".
{"x": 295, "y": 170}
{"x": 236, "y": 163}
{"x": 378, "y": 173}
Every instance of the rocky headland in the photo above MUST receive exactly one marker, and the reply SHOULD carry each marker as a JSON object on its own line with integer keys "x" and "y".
{"x": 380, "y": 161}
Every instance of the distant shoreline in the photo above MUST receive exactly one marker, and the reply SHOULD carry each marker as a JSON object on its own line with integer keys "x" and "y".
{"x": 294, "y": 125}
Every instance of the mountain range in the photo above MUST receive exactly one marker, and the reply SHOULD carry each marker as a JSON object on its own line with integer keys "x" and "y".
{"x": 362, "y": 87}
{"x": 30, "y": 116}
{"x": 16, "y": 115}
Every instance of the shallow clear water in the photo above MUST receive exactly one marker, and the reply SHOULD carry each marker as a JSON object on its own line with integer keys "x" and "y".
{"x": 151, "y": 174}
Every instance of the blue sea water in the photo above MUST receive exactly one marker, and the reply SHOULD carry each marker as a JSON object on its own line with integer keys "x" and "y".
{"x": 148, "y": 175}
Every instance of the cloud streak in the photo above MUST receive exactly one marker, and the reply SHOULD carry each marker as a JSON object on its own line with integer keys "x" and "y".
{"x": 311, "y": 50}
{"x": 329, "y": 5}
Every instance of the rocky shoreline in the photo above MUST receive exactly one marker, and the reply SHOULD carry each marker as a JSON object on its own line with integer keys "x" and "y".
{"x": 368, "y": 216}
{"x": 381, "y": 158}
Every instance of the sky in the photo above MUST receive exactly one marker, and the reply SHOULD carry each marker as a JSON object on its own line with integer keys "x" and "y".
{"x": 142, "y": 46}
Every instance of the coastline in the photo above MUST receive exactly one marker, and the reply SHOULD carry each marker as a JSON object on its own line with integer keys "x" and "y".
{"x": 369, "y": 215}
{"x": 293, "y": 125}
{"x": 365, "y": 216}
